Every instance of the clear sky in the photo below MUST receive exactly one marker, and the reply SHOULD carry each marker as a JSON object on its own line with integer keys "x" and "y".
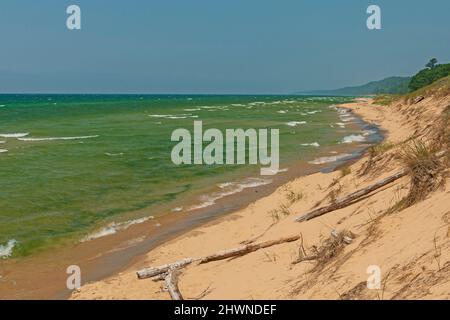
{"x": 215, "y": 46}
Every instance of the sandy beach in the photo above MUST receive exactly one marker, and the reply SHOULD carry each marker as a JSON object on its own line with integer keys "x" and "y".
{"x": 409, "y": 246}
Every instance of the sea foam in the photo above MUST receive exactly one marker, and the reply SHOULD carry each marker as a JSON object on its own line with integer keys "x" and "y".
{"x": 323, "y": 160}
{"x": 314, "y": 144}
{"x": 13, "y": 135}
{"x": 228, "y": 189}
{"x": 7, "y": 249}
{"x": 113, "y": 228}
{"x": 353, "y": 138}
{"x": 173, "y": 116}
{"x": 295, "y": 123}
{"x": 57, "y": 138}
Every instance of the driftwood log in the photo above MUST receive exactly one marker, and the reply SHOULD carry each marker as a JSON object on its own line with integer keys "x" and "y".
{"x": 351, "y": 198}
{"x": 171, "y": 281}
{"x": 151, "y": 272}
{"x": 246, "y": 249}
{"x": 358, "y": 195}
{"x": 157, "y": 271}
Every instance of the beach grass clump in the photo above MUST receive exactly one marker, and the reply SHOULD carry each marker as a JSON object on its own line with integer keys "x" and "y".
{"x": 345, "y": 171}
{"x": 425, "y": 168}
{"x": 275, "y": 215}
{"x": 442, "y": 138}
{"x": 333, "y": 195}
{"x": 381, "y": 148}
{"x": 331, "y": 248}
{"x": 294, "y": 197}
{"x": 374, "y": 152}
{"x": 284, "y": 210}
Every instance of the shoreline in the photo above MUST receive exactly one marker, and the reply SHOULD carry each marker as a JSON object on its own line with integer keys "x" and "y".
{"x": 113, "y": 254}
{"x": 162, "y": 252}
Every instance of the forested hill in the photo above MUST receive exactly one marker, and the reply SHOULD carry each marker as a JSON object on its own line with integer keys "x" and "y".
{"x": 391, "y": 85}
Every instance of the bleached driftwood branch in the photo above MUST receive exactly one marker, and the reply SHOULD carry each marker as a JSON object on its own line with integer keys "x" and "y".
{"x": 242, "y": 250}
{"x": 351, "y": 198}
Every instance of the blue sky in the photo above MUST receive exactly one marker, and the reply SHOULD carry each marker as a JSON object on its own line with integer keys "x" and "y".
{"x": 214, "y": 46}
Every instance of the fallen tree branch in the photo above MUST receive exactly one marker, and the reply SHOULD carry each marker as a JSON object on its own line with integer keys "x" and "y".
{"x": 159, "y": 277}
{"x": 358, "y": 195}
{"x": 351, "y": 198}
{"x": 171, "y": 281}
{"x": 246, "y": 249}
{"x": 157, "y": 271}
{"x": 151, "y": 272}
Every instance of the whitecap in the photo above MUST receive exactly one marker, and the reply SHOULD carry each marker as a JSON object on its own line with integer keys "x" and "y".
{"x": 113, "y": 227}
{"x": 171, "y": 116}
{"x": 177, "y": 209}
{"x": 114, "y": 154}
{"x": 295, "y": 123}
{"x": 347, "y": 119}
{"x": 369, "y": 132}
{"x": 323, "y": 160}
{"x": 229, "y": 188}
{"x": 3, "y": 150}
{"x": 57, "y": 138}
{"x": 13, "y": 135}
{"x": 7, "y": 249}
{"x": 276, "y": 171}
{"x": 353, "y": 138}
{"x": 314, "y": 144}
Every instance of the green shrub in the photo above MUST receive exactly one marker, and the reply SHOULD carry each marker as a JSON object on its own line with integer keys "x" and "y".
{"x": 427, "y": 76}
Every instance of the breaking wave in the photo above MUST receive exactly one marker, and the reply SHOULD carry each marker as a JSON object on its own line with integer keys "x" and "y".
{"x": 7, "y": 249}
{"x": 295, "y": 123}
{"x": 113, "y": 228}
{"x": 13, "y": 135}
{"x": 353, "y": 138}
{"x": 330, "y": 159}
{"x": 228, "y": 189}
{"x": 57, "y": 138}
{"x": 314, "y": 144}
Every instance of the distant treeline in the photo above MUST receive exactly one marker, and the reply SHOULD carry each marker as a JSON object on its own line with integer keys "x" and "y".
{"x": 429, "y": 75}
{"x": 392, "y": 85}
